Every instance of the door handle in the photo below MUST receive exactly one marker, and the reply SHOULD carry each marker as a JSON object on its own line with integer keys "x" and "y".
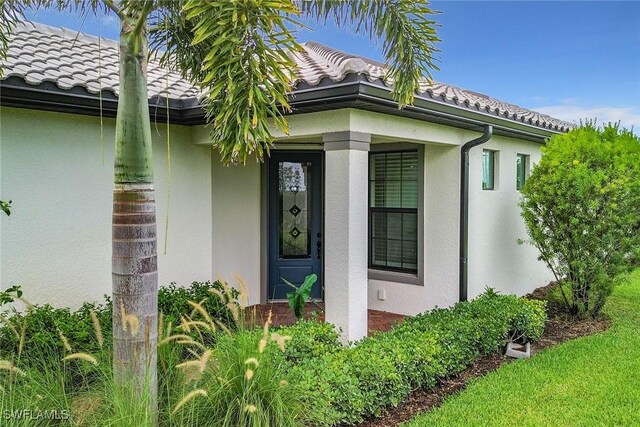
{"x": 319, "y": 246}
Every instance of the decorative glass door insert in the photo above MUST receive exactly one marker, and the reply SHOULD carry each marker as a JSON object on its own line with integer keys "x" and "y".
{"x": 294, "y": 227}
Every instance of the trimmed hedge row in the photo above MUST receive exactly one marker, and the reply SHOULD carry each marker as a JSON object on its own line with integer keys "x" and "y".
{"x": 346, "y": 385}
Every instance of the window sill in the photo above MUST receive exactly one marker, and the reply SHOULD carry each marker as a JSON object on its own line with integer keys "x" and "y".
{"x": 394, "y": 276}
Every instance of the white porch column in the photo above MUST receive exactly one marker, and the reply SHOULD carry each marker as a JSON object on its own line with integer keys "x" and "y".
{"x": 345, "y": 240}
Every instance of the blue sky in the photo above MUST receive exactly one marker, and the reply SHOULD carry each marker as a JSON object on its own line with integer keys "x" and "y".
{"x": 571, "y": 59}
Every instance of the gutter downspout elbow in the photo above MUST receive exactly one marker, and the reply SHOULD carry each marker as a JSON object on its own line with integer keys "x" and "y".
{"x": 464, "y": 207}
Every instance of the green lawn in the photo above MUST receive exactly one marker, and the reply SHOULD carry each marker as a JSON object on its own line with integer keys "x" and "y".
{"x": 591, "y": 381}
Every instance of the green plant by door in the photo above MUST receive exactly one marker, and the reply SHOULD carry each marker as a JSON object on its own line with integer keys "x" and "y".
{"x": 299, "y": 297}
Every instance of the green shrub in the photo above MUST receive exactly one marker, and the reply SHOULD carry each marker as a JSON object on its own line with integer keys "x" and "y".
{"x": 45, "y": 330}
{"x": 45, "y": 324}
{"x": 581, "y": 206}
{"x": 173, "y": 301}
{"x": 348, "y": 384}
{"x": 414, "y": 353}
{"x": 528, "y": 324}
{"x": 380, "y": 380}
{"x": 310, "y": 339}
{"x": 333, "y": 395}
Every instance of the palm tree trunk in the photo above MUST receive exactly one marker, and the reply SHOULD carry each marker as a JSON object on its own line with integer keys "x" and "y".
{"x": 134, "y": 267}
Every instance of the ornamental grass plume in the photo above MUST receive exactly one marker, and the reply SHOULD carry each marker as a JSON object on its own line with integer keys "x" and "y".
{"x": 198, "y": 308}
{"x": 243, "y": 296}
{"x": 187, "y": 398}
{"x": 219, "y": 294}
{"x": 174, "y": 337}
{"x": 7, "y": 365}
{"x": 251, "y": 361}
{"x": 23, "y": 335}
{"x": 249, "y": 374}
{"x": 64, "y": 340}
{"x": 97, "y": 328}
{"x": 82, "y": 356}
{"x": 280, "y": 340}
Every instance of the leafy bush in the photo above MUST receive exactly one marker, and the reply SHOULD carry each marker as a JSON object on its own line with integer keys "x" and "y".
{"x": 333, "y": 393}
{"x": 581, "y": 207}
{"x": 413, "y": 352}
{"x": 310, "y": 339}
{"x": 347, "y": 385}
{"x": 381, "y": 380}
{"x": 44, "y": 325}
{"x": 50, "y": 332}
{"x": 528, "y": 324}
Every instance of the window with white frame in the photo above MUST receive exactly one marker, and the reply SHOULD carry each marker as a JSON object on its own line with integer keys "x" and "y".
{"x": 488, "y": 170}
{"x": 522, "y": 170}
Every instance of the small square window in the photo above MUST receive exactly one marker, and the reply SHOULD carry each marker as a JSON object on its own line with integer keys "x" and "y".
{"x": 522, "y": 170}
{"x": 488, "y": 169}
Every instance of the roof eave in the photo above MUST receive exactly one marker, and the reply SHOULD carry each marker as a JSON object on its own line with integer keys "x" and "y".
{"x": 47, "y": 96}
{"x": 362, "y": 94}
{"x": 355, "y": 91}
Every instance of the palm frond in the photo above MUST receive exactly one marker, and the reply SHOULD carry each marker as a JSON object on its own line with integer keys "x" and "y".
{"x": 238, "y": 53}
{"x": 408, "y": 35}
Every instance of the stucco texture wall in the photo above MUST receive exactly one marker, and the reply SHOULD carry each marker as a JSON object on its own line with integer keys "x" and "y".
{"x": 57, "y": 242}
{"x": 495, "y": 258}
{"x": 440, "y": 286}
{"x": 236, "y": 211}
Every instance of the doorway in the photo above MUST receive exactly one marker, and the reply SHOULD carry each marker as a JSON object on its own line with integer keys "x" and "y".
{"x": 295, "y": 221}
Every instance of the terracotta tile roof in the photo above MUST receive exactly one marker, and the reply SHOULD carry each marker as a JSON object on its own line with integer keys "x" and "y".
{"x": 40, "y": 53}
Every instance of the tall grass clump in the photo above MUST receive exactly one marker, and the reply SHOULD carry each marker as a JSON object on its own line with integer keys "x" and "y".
{"x": 36, "y": 391}
{"x": 238, "y": 382}
{"x": 213, "y": 370}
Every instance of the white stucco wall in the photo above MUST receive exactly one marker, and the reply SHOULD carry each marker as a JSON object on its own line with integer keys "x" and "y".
{"x": 57, "y": 242}
{"x": 346, "y": 204}
{"x": 495, "y": 224}
{"x": 440, "y": 286}
{"x": 237, "y": 225}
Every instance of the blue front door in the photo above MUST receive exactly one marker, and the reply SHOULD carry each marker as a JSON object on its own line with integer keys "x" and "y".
{"x": 295, "y": 221}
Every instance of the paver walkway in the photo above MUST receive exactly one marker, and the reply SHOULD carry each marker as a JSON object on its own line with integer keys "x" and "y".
{"x": 282, "y": 315}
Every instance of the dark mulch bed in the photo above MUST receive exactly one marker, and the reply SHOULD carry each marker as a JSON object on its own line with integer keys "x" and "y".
{"x": 559, "y": 329}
